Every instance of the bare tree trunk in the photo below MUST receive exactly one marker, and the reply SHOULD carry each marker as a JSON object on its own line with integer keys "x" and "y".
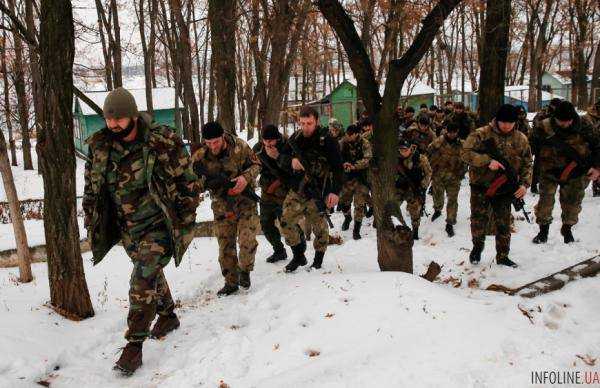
{"x": 68, "y": 289}
{"x": 23, "y": 106}
{"x": 223, "y": 19}
{"x": 34, "y": 66}
{"x": 117, "y": 60}
{"x": 596, "y": 76}
{"x": 105, "y": 49}
{"x": 185, "y": 62}
{"x": 7, "y": 109}
{"x": 394, "y": 244}
{"x": 16, "y": 217}
{"x": 493, "y": 60}
{"x": 146, "y": 54}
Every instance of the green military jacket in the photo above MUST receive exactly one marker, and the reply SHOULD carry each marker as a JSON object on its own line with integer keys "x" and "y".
{"x": 168, "y": 174}
{"x": 513, "y": 146}
{"x": 444, "y": 157}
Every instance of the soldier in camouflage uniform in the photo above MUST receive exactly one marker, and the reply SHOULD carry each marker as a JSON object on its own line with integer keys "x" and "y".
{"x": 313, "y": 158}
{"x": 592, "y": 119}
{"x": 484, "y": 172}
{"x": 356, "y": 155}
{"x": 366, "y": 125}
{"x": 336, "y": 130}
{"x": 414, "y": 176}
{"x": 274, "y": 186}
{"x": 409, "y": 117}
{"x": 448, "y": 170}
{"x": 420, "y": 133}
{"x": 462, "y": 119}
{"x": 228, "y": 169}
{"x": 569, "y": 156}
{"x": 522, "y": 123}
{"x": 439, "y": 122}
{"x": 140, "y": 189}
{"x": 546, "y": 113}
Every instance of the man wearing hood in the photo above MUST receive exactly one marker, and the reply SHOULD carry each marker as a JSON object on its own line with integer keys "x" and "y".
{"x": 592, "y": 118}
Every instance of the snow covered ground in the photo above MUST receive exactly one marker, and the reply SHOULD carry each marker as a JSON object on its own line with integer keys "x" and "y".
{"x": 347, "y": 325}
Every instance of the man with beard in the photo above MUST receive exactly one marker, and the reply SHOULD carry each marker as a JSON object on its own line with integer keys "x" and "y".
{"x": 463, "y": 121}
{"x": 314, "y": 160}
{"x": 140, "y": 189}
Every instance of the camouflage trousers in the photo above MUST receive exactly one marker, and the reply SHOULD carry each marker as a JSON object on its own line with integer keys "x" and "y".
{"x": 413, "y": 205}
{"x": 481, "y": 209}
{"x": 232, "y": 226}
{"x": 354, "y": 189}
{"x": 149, "y": 292}
{"x": 294, "y": 208}
{"x": 269, "y": 213}
{"x": 450, "y": 186}
{"x": 570, "y": 197}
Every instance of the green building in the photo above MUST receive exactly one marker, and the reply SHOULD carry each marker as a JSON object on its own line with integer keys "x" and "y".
{"x": 341, "y": 104}
{"x": 344, "y": 105}
{"x": 87, "y": 121}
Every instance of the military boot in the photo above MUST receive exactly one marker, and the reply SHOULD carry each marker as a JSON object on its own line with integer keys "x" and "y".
{"x": 277, "y": 256}
{"x": 504, "y": 260}
{"x": 245, "y": 279}
{"x": 475, "y": 255}
{"x": 346, "y": 224}
{"x": 299, "y": 259}
{"x": 164, "y": 325}
{"x": 228, "y": 289}
{"x": 565, "y": 230}
{"x": 450, "y": 230}
{"x": 131, "y": 358}
{"x": 542, "y": 236}
{"x": 318, "y": 260}
{"x": 356, "y": 231}
{"x": 436, "y": 215}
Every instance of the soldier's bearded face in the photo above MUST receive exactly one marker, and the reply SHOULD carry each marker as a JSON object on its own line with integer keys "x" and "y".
{"x": 505, "y": 127}
{"x": 308, "y": 125}
{"x": 215, "y": 145}
{"x": 118, "y": 124}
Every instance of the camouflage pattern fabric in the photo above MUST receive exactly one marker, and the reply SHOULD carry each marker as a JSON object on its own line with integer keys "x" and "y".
{"x": 295, "y": 207}
{"x": 236, "y": 218}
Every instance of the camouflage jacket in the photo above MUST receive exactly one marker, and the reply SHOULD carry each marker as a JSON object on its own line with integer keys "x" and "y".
{"x": 581, "y": 137}
{"x": 359, "y": 154}
{"x": 421, "y": 139}
{"x": 444, "y": 157}
{"x": 235, "y": 160}
{"x": 513, "y": 146}
{"x": 413, "y": 172}
{"x": 272, "y": 171}
{"x": 167, "y": 172}
{"x": 464, "y": 121}
{"x": 321, "y": 157}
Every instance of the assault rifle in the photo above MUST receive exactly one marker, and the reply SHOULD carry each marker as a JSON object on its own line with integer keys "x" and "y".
{"x": 506, "y": 183}
{"x": 577, "y": 165}
{"x": 307, "y": 186}
{"x": 220, "y": 184}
